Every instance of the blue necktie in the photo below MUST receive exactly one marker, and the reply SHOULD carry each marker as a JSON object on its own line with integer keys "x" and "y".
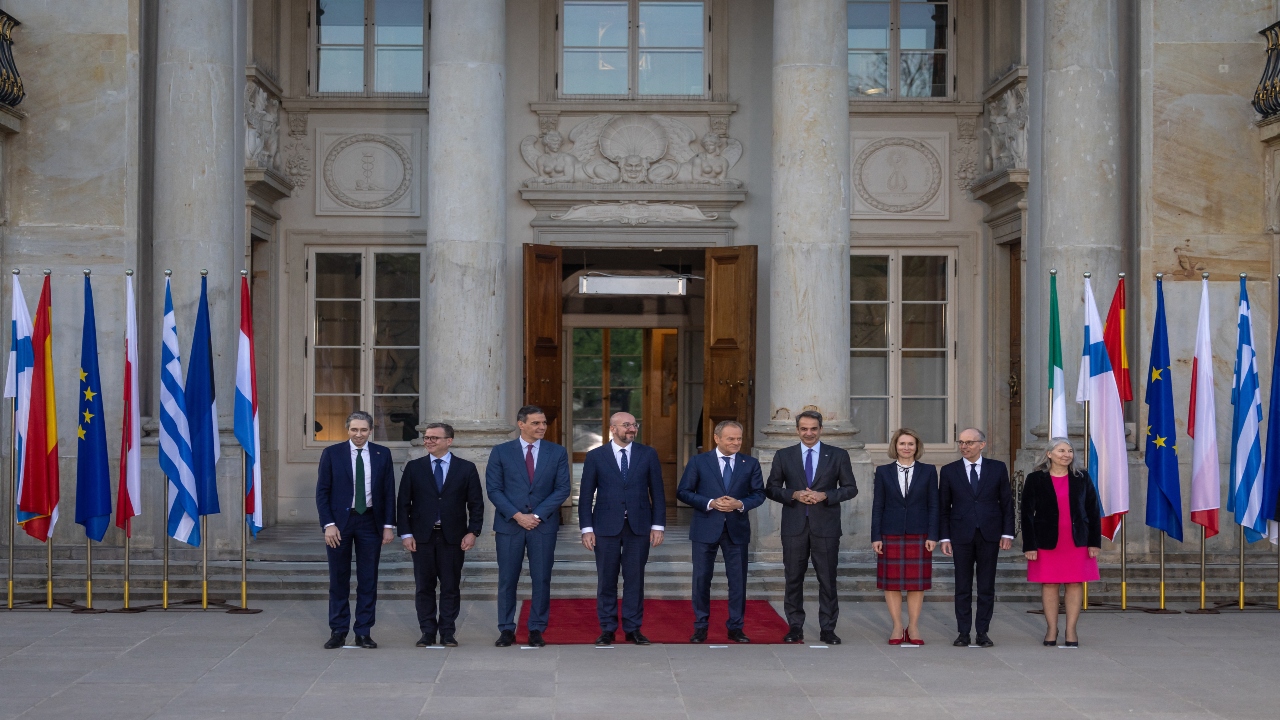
{"x": 625, "y": 467}
{"x": 439, "y": 472}
{"x": 808, "y": 467}
{"x": 728, "y": 471}
{"x": 973, "y": 476}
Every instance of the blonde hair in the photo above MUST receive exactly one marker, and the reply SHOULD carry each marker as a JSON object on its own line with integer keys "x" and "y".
{"x": 893, "y": 443}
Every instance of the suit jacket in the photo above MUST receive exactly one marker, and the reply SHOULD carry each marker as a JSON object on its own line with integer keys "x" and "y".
{"x": 1040, "y": 512}
{"x": 507, "y": 482}
{"x": 833, "y": 475}
{"x": 605, "y": 499}
{"x": 703, "y": 482}
{"x": 915, "y": 514}
{"x": 460, "y": 506}
{"x": 336, "y": 487}
{"x": 966, "y": 512}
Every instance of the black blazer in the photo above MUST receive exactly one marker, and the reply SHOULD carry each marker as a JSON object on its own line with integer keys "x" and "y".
{"x": 965, "y": 513}
{"x": 605, "y": 500}
{"x": 833, "y": 476}
{"x": 460, "y": 507}
{"x": 916, "y": 514}
{"x": 336, "y": 488}
{"x": 1040, "y": 512}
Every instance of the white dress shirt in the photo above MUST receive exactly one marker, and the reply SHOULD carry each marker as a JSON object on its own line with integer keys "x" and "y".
{"x": 904, "y": 476}
{"x": 733, "y": 461}
{"x": 524, "y": 448}
{"x": 368, "y": 477}
{"x": 444, "y": 468}
{"x": 968, "y": 465}
{"x": 617, "y": 458}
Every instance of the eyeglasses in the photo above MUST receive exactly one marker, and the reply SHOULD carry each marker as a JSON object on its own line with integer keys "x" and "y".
{"x": 630, "y": 426}
{"x": 965, "y": 443}
{"x": 433, "y": 438}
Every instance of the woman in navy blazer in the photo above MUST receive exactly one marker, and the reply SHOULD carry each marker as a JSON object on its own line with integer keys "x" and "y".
{"x": 904, "y": 531}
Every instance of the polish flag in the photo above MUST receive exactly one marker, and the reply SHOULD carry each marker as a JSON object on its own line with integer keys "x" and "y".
{"x": 1202, "y": 424}
{"x": 129, "y": 494}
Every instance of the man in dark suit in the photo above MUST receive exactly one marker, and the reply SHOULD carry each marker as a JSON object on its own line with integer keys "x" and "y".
{"x": 722, "y": 486}
{"x": 976, "y": 523}
{"x": 441, "y": 513}
{"x": 810, "y": 480}
{"x": 356, "y": 499}
{"x": 527, "y": 480}
{"x": 622, "y": 511}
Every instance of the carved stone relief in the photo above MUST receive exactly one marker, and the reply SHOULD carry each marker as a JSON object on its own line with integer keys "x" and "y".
{"x": 900, "y": 176}
{"x": 1006, "y": 130}
{"x": 640, "y": 212}
{"x": 964, "y": 156}
{"x": 296, "y": 152}
{"x": 368, "y": 173}
{"x": 262, "y": 128}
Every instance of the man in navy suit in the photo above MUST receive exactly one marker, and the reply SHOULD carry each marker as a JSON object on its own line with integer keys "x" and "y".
{"x": 976, "y": 523}
{"x": 622, "y": 511}
{"x": 356, "y": 499}
{"x": 527, "y": 480}
{"x": 722, "y": 486}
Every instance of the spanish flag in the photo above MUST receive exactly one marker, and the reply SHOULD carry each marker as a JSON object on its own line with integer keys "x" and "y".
{"x": 38, "y": 497}
{"x": 1113, "y": 336}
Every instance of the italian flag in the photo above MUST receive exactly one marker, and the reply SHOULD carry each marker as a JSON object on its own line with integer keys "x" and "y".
{"x": 1057, "y": 378}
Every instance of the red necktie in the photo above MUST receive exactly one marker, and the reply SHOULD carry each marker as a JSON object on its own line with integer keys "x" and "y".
{"x": 528, "y": 461}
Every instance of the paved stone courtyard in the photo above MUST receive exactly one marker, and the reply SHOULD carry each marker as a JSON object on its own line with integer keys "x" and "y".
{"x": 214, "y": 665}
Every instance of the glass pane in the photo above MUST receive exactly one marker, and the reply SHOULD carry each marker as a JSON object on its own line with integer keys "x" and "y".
{"x": 337, "y": 370}
{"x": 396, "y": 371}
{"x": 396, "y": 323}
{"x": 340, "y": 21}
{"x": 927, "y": 417}
{"x": 626, "y": 342}
{"x": 871, "y": 417}
{"x": 395, "y": 418}
{"x": 398, "y": 70}
{"x": 924, "y": 326}
{"x": 587, "y": 436}
{"x": 924, "y": 277}
{"x": 588, "y": 341}
{"x": 330, "y": 421}
{"x": 595, "y": 24}
{"x": 924, "y": 26}
{"x": 338, "y": 275}
{"x": 628, "y": 401}
{"x": 587, "y": 372}
{"x": 868, "y": 25}
{"x": 671, "y": 24}
{"x": 869, "y": 277}
{"x": 590, "y": 72}
{"x": 337, "y": 323}
{"x": 869, "y": 373}
{"x": 397, "y": 275}
{"x": 868, "y": 74}
{"x": 869, "y": 325}
{"x": 398, "y": 22}
{"x": 588, "y": 404}
{"x": 669, "y": 72}
{"x": 924, "y": 373}
{"x": 341, "y": 69}
{"x": 923, "y": 74}
{"x": 624, "y": 373}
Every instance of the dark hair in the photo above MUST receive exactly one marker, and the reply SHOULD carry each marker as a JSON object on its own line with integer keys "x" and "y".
{"x": 811, "y": 414}
{"x": 720, "y": 426}
{"x": 523, "y": 413}
{"x": 446, "y": 427}
{"x": 360, "y": 415}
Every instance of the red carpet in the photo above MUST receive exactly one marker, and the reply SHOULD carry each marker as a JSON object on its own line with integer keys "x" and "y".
{"x": 574, "y": 622}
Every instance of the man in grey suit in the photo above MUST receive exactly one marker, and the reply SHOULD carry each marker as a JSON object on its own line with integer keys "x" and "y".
{"x": 527, "y": 480}
{"x": 810, "y": 480}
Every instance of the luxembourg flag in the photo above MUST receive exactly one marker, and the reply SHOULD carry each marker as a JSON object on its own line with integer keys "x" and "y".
{"x": 246, "y": 419}
{"x": 17, "y": 381}
{"x": 1202, "y": 426}
{"x": 1245, "y": 497}
{"x": 129, "y": 493}
{"x": 1108, "y": 453}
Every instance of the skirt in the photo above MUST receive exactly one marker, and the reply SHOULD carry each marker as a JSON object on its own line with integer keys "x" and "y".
{"x": 905, "y": 564}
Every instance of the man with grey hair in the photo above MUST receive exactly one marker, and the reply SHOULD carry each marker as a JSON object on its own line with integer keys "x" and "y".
{"x": 356, "y": 499}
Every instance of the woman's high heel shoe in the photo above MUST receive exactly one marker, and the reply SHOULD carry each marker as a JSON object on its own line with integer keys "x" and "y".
{"x": 898, "y": 640}
{"x": 1053, "y": 642}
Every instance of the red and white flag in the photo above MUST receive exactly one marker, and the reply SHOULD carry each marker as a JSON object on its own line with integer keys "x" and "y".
{"x": 129, "y": 494}
{"x": 1202, "y": 426}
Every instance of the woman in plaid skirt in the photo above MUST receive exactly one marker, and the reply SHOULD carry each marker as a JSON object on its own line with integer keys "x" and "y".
{"x": 904, "y": 531}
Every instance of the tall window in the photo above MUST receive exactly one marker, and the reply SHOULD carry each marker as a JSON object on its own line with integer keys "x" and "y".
{"x": 365, "y": 335}
{"x": 901, "y": 344}
{"x": 370, "y": 47}
{"x": 633, "y": 48}
{"x": 607, "y": 366}
{"x": 898, "y": 49}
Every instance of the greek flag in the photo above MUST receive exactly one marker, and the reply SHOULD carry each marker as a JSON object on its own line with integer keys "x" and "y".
{"x": 175, "y": 437}
{"x": 1245, "y": 496}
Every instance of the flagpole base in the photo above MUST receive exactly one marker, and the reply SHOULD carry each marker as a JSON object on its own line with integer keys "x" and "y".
{"x": 1162, "y": 611}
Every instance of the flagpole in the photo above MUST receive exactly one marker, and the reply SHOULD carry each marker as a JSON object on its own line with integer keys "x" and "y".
{"x": 88, "y": 573}
{"x": 1203, "y": 609}
{"x": 1240, "y": 600}
{"x": 13, "y": 485}
{"x": 164, "y": 583}
{"x": 1084, "y": 604}
{"x": 1162, "y": 610}
{"x": 1124, "y": 544}
{"x": 127, "y": 529}
{"x": 1048, "y": 423}
{"x": 204, "y": 562}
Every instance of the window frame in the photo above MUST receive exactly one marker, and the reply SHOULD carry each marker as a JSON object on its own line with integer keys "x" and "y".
{"x": 370, "y": 48}
{"x": 894, "y": 50}
{"x": 894, "y": 349}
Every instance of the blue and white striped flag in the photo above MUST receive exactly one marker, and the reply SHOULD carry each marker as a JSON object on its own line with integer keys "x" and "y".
{"x": 175, "y": 437}
{"x": 1245, "y": 496}
{"x": 17, "y": 382}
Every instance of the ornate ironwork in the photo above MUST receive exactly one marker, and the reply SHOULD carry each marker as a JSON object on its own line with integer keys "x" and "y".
{"x": 1019, "y": 480}
{"x": 11, "y": 92}
{"x": 1266, "y": 99}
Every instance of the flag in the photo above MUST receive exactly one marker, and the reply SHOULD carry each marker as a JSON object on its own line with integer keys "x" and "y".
{"x": 1271, "y": 469}
{"x": 38, "y": 496}
{"x": 129, "y": 494}
{"x": 1107, "y": 452}
{"x": 175, "y": 436}
{"x": 1164, "y": 491}
{"x": 1206, "y": 485}
{"x": 93, "y": 476}
{"x": 17, "y": 382}
{"x": 1057, "y": 378}
{"x": 1245, "y": 496}
{"x": 246, "y": 409}
{"x": 202, "y": 409}
{"x": 1113, "y": 337}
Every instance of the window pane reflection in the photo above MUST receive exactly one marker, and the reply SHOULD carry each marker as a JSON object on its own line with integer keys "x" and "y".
{"x": 871, "y": 417}
{"x": 923, "y": 74}
{"x": 927, "y": 417}
{"x": 395, "y": 418}
{"x": 330, "y": 421}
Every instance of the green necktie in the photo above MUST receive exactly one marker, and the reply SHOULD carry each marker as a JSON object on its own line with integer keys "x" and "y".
{"x": 360, "y": 504}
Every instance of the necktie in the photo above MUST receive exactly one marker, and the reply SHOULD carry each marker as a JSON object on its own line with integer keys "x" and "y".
{"x": 973, "y": 476}
{"x": 439, "y": 485}
{"x": 625, "y": 467}
{"x": 528, "y": 461}
{"x": 728, "y": 471}
{"x": 360, "y": 505}
{"x": 808, "y": 467}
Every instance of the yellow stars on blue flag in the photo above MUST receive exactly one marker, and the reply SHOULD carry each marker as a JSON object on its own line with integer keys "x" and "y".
{"x": 1164, "y": 499}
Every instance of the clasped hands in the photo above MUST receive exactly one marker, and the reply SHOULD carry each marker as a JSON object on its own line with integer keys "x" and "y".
{"x": 809, "y": 497}
{"x": 726, "y": 504}
{"x": 528, "y": 521}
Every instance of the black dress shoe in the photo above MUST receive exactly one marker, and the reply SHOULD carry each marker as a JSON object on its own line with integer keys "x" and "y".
{"x": 606, "y": 638}
{"x": 427, "y": 640}
{"x": 448, "y": 641}
{"x": 506, "y": 639}
{"x": 794, "y": 635}
{"x": 366, "y": 642}
{"x": 984, "y": 641}
{"x": 829, "y": 637}
{"x": 962, "y": 640}
{"x": 738, "y": 637}
{"x": 535, "y": 639}
{"x": 699, "y": 635}
{"x": 637, "y": 637}
{"x": 335, "y": 641}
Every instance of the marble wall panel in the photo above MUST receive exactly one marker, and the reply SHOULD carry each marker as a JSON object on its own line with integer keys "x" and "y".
{"x": 1210, "y": 20}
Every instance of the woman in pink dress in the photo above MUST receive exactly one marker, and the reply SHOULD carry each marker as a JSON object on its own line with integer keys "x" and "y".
{"x": 1061, "y": 535}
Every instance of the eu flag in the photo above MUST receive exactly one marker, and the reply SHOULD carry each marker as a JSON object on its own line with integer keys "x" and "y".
{"x": 93, "y": 476}
{"x": 1164, "y": 493}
